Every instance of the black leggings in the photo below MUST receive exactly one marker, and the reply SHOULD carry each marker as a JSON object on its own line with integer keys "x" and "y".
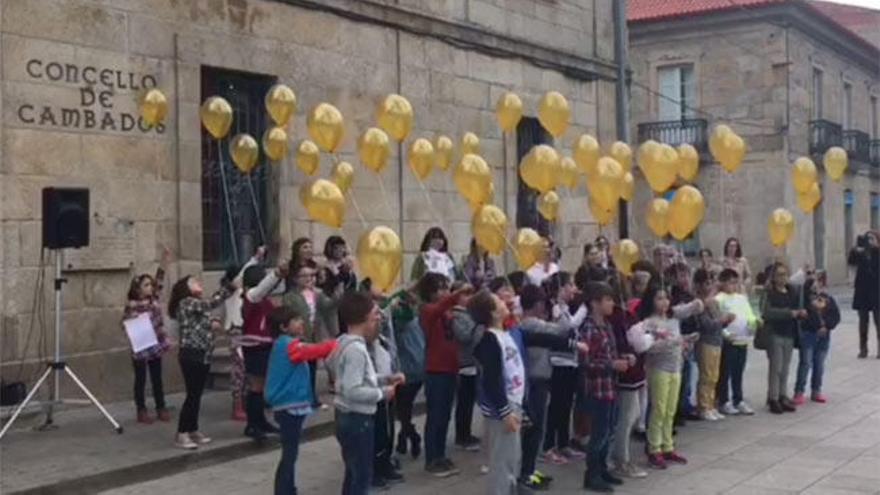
{"x": 140, "y": 382}
{"x": 403, "y": 402}
{"x": 562, "y": 387}
{"x": 464, "y": 407}
{"x": 195, "y": 375}
{"x": 864, "y": 322}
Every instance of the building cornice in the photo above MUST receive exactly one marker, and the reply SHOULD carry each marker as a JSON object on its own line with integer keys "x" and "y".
{"x": 464, "y": 36}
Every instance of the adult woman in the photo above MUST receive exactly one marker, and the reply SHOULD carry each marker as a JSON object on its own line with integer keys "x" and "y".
{"x": 734, "y": 259}
{"x": 591, "y": 269}
{"x": 783, "y": 312}
{"x": 544, "y": 267}
{"x": 434, "y": 257}
{"x": 708, "y": 263}
{"x": 479, "y": 268}
{"x": 865, "y": 257}
{"x": 338, "y": 271}
{"x": 604, "y": 247}
{"x": 301, "y": 251}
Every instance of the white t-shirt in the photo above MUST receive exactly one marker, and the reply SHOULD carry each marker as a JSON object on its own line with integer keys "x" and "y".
{"x": 539, "y": 272}
{"x": 514, "y": 369}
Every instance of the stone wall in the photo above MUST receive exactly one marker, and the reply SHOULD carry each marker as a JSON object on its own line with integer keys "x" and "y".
{"x": 146, "y": 184}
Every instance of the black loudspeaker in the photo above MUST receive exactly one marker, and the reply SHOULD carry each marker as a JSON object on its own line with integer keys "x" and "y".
{"x": 65, "y": 217}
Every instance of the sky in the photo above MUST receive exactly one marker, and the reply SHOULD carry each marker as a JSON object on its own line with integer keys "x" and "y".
{"x": 875, "y": 4}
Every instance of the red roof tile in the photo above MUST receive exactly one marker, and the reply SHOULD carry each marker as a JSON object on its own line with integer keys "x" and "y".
{"x": 863, "y": 21}
{"x": 655, "y": 10}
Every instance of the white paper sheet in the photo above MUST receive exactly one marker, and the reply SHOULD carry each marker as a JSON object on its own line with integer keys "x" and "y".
{"x": 140, "y": 332}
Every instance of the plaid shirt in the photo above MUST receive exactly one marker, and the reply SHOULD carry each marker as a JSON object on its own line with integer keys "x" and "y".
{"x": 600, "y": 379}
{"x": 194, "y": 322}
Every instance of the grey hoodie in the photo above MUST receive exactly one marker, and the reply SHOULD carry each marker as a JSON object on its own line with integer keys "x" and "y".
{"x": 357, "y": 385}
{"x": 539, "y": 357}
{"x": 467, "y": 334}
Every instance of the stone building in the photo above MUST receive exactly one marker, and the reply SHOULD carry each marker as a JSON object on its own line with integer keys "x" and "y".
{"x": 72, "y": 71}
{"x": 793, "y": 79}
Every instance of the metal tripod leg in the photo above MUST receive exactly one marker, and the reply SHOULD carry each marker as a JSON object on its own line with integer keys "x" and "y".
{"x": 26, "y": 401}
{"x": 94, "y": 399}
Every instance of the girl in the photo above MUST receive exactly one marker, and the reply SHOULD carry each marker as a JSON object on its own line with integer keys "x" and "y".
{"x": 196, "y": 326}
{"x": 733, "y": 258}
{"x": 479, "y": 268}
{"x": 288, "y": 388}
{"x": 605, "y": 260}
{"x": 302, "y": 251}
{"x": 143, "y": 297}
{"x": 434, "y": 257}
{"x": 783, "y": 312}
{"x": 815, "y": 339}
{"x": 411, "y": 355}
{"x": 338, "y": 270}
{"x": 709, "y": 325}
{"x": 318, "y": 310}
{"x": 659, "y": 336}
{"x": 708, "y": 263}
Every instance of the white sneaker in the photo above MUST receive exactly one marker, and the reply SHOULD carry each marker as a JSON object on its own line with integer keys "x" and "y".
{"x": 200, "y": 438}
{"x": 717, "y": 414}
{"x": 709, "y": 416}
{"x": 629, "y": 470}
{"x": 744, "y": 408}
{"x": 183, "y": 441}
{"x": 729, "y": 410}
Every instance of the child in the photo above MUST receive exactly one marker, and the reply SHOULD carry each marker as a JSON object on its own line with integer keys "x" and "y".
{"x": 783, "y": 312}
{"x": 659, "y": 335}
{"x": 411, "y": 356}
{"x": 679, "y": 276}
{"x": 561, "y": 293}
{"x": 143, "y": 297}
{"x": 288, "y": 389}
{"x": 737, "y": 336}
{"x": 709, "y": 324}
{"x": 501, "y": 357}
{"x": 196, "y": 326}
{"x": 358, "y": 389}
{"x": 506, "y": 289}
{"x": 384, "y": 355}
{"x": 467, "y": 334}
{"x": 441, "y": 368}
{"x": 823, "y": 316}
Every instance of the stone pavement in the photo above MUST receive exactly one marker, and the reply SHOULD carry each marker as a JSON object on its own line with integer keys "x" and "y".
{"x": 822, "y": 449}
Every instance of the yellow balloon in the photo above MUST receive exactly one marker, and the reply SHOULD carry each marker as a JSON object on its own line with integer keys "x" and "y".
{"x": 568, "y": 173}
{"x": 324, "y": 202}
{"x": 809, "y": 200}
{"x": 374, "y": 148}
{"x": 554, "y": 113}
{"x": 509, "y": 110}
{"x": 688, "y": 162}
{"x": 586, "y": 154}
{"x": 836, "y": 162}
{"x": 803, "y": 174}
{"x": 660, "y": 166}
{"x": 216, "y": 115}
{"x": 602, "y": 214}
{"x": 244, "y": 151}
{"x": 780, "y": 226}
{"x": 395, "y": 116}
{"x": 325, "y": 127}
{"x": 621, "y": 152}
{"x": 548, "y": 205}
{"x": 443, "y": 152}
{"x": 686, "y": 211}
{"x": 421, "y": 158}
{"x": 727, "y": 148}
{"x": 540, "y": 168}
{"x": 625, "y": 253}
{"x": 628, "y": 188}
{"x": 308, "y": 157}
{"x": 646, "y": 152}
{"x": 605, "y": 186}
{"x": 343, "y": 176}
{"x": 473, "y": 179}
{"x": 529, "y": 248}
{"x": 280, "y": 103}
{"x": 275, "y": 143}
{"x": 657, "y": 217}
{"x": 489, "y": 226}
{"x": 154, "y": 107}
{"x": 380, "y": 256}
{"x": 470, "y": 144}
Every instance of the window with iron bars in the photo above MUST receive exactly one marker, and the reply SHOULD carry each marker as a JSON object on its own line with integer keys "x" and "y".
{"x": 243, "y": 199}
{"x": 529, "y": 133}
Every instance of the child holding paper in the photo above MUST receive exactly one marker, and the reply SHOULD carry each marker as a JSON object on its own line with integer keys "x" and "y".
{"x": 143, "y": 298}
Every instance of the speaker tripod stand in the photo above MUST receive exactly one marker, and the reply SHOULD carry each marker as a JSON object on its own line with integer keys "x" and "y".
{"x": 56, "y": 367}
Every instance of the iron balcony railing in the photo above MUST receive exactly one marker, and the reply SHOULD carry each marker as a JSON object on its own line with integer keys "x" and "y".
{"x": 857, "y": 145}
{"x": 676, "y": 132}
{"x": 875, "y": 153}
{"x": 823, "y": 135}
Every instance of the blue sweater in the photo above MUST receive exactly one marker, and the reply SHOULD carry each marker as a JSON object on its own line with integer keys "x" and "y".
{"x": 288, "y": 383}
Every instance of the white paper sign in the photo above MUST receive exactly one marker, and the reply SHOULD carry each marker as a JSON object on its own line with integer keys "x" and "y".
{"x": 140, "y": 332}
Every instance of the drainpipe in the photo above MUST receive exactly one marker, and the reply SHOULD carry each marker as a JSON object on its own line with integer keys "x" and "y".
{"x": 621, "y": 96}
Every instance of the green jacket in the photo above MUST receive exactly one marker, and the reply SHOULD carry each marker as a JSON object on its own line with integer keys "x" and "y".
{"x": 325, "y": 324}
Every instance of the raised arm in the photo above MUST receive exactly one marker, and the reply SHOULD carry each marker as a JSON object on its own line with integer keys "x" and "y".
{"x": 300, "y": 352}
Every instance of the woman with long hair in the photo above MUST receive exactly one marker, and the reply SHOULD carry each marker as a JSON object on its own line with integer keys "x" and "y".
{"x": 865, "y": 257}
{"x": 434, "y": 257}
{"x": 783, "y": 312}
{"x": 338, "y": 269}
{"x": 733, "y": 258}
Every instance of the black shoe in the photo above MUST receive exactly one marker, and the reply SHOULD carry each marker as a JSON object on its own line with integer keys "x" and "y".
{"x": 415, "y": 444}
{"x": 787, "y": 405}
{"x": 441, "y": 469}
{"x": 693, "y": 416}
{"x": 379, "y": 483}
{"x": 392, "y": 477}
{"x": 598, "y": 485}
{"x": 775, "y": 407}
{"x": 863, "y": 354}
{"x": 255, "y": 432}
{"x": 533, "y": 484}
{"x": 470, "y": 444}
{"x": 611, "y": 479}
{"x": 401, "y": 443}
{"x": 269, "y": 428}
{"x": 680, "y": 420}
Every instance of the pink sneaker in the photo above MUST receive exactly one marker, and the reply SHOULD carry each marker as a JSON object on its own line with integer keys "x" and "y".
{"x": 799, "y": 399}
{"x": 571, "y": 453}
{"x": 821, "y": 399}
{"x": 674, "y": 457}
{"x": 554, "y": 457}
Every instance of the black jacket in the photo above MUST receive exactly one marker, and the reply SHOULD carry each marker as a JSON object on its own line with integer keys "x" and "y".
{"x": 866, "y": 296}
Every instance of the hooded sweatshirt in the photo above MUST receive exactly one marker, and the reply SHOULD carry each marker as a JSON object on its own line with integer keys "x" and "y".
{"x": 539, "y": 357}
{"x": 357, "y": 384}
{"x": 467, "y": 334}
{"x": 660, "y": 338}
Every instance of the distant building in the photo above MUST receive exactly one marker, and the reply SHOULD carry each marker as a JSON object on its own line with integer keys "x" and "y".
{"x": 793, "y": 78}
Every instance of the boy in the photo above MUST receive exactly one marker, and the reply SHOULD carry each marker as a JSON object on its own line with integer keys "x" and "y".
{"x": 710, "y": 324}
{"x": 467, "y": 334}
{"x": 682, "y": 292}
{"x": 737, "y": 335}
{"x": 358, "y": 389}
{"x": 600, "y": 380}
{"x": 288, "y": 388}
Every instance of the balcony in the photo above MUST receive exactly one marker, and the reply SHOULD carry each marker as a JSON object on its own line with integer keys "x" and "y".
{"x": 823, "y": 135}
{"x": 857, "y": 145}
{"x": 875, "y": 153}
{"x": 676, "y": 132}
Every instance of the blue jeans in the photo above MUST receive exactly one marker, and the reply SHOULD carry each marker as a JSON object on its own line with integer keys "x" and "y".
{"x": 355, "y": 435}
{"x": 439, "y": 398}
{"x": 602, "y": 420}
{"x": 291, "y": 428}
{"x": 689, "y": 376}
{"x": 813, "y": 350}
{"x": 733, "y": 365}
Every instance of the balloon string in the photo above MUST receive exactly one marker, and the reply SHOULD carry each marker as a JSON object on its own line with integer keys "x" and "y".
{"x": 226, "y": 201}
{"x": 385, "y": 196}
{"x": 430, "y": 203}
{"x": 357, "y": 209}
{"x": 250, "y": 184}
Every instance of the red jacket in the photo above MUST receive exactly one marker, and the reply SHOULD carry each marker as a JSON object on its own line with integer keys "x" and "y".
{"x": 441, "y": 348}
